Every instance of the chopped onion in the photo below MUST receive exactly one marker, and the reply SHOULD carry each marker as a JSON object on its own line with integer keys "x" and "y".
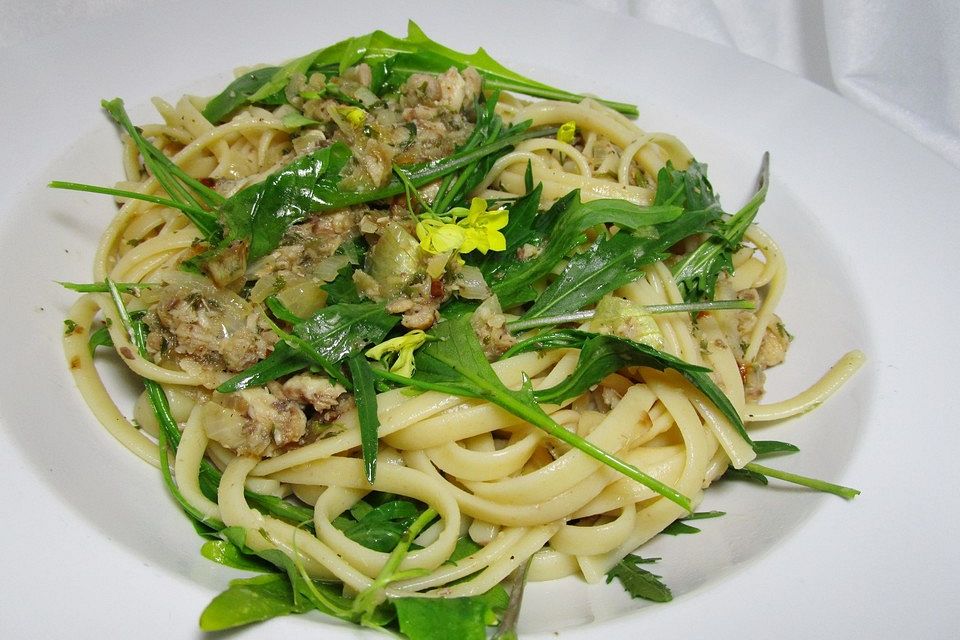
{"x": 303, "y": 298}
{"x": 472, "y": 285}
{"x": 327, "y": 268}
{"x": 222, "y": 425}
{"x": 394, "y": 261}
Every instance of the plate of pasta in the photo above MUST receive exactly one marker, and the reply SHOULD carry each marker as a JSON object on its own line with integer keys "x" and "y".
{"x": 385, "y": 332}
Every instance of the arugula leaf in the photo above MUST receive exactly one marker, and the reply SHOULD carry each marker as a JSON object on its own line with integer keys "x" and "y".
{"x": 343, "y": 288}
{"x": 277, "y": 593}
{"x": 102, "y": 287}
{"x": 612, "y": 262}
{"x": 264, "y": 211}
{"x": 284, "y": 360}
{"x": 558, "y": 232}
{"x": 223, "y": 551}
{"x": 638, "y": 582}
{"x": 379, "y": 528}
{"x": 748, "y": 475}
{"x": 392, "y": 61}
{"x": 237, "y": 94}
{"x": 455, "y": 188}
{"x": 340, "y": 330}
{"x": 431, "y": 618}
{"x": 769, "y": 447}
{"x": 465, "y": 547}
{"x": 687, "y": 188}
{"x": 180, "y": 186}
{"x": 327, "y": 338}
{"x": 680, "y": 526}
{"x": 365, "y": 395}
{"x": 601, "y": 355}
{"x": 757, "y": 471}
{"x": 697, "y": 273}
{"x": 250, "y": 600}
{"x": 520, "y": 230}
{"x": 454, "y": 363}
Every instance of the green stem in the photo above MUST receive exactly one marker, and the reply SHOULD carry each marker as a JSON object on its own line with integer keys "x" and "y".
{"x": 205, "y": 221}
{"x": 581, "y": 316}
{"x": 812, "y": 483}
{"x": 102, "y": 287}
{"x": 368, "y": 599}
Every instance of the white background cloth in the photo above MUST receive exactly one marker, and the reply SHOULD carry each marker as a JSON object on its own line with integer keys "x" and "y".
{"x": 898, "y": 59}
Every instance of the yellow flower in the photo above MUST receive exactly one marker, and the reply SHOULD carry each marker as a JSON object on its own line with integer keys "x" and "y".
{"x": 403, "y": 346}
{"x": 437, "y": 236}
{"x": 567, "y": 131}
{"x": 482, "y": 227}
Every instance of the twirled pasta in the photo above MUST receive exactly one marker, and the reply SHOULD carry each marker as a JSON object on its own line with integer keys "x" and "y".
{"x": 486, "y": 472}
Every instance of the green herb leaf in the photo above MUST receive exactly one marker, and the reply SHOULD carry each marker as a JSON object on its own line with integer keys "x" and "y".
{"x": 230, "y": 555}
{"x": 99, "y": 338}
{"x": 697, "y": 273}
{"x": 601, "y": 355}
{"x": 638, "y": 582}
{"x": 237, "y": 94}
{"x": 180, "y": 186}
{"x": 688, "y": 188}
{"x": 327, "y": 338}
{"x": 558, "y": 232}
{"x": 251, "y": 600}
{"x": 680, "y": 526}
{"x": 745, "y": 474}
{"x": 612, "y": 262}
{"x": 365, "y": 395}
{"x": 465, "y": 547}
{"x": 264, "y": 211}
{"x": 101, "y": 287}
{"x": 380, "y": 528}
{"x": 770, "y": 447}
{"x": 392, "y": 60}
{"x": 431, "y": 618}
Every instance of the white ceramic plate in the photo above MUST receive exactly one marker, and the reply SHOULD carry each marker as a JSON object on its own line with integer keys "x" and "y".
{"x": 866, "y": 218}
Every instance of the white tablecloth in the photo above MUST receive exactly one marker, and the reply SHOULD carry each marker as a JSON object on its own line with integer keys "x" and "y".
{"x": 896, "y": 58}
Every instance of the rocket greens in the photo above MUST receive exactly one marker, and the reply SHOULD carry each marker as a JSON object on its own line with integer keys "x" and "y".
{"x": 580, "y": 252}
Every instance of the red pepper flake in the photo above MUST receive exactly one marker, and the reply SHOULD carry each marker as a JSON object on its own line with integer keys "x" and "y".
{"x": 127, "y": 353}
{"x": 208, "y": 182}
{"x": 436, "y": 288}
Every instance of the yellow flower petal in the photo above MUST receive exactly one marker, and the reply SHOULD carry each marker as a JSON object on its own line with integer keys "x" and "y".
{"x": 403, "y": 346}
{"x": 437, "y": 236}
